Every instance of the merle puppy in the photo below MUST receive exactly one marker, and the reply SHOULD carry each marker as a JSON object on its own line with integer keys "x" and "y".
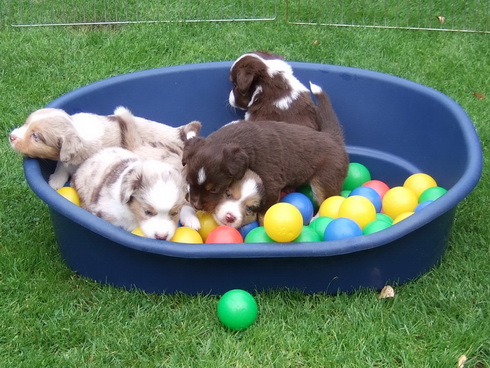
{"x": 283, "y": 155}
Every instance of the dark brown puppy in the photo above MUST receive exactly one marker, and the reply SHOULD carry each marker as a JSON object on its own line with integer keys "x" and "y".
{"x": 283, "y": 155}
{"x": 264, "y": 85}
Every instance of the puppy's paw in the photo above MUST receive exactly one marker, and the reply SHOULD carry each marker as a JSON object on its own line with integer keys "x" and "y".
{"x": 57, "y": 181}
{"x": 189, "y": 218}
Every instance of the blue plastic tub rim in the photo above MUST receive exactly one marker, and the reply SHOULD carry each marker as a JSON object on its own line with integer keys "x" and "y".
{"x": 470, "y": 178}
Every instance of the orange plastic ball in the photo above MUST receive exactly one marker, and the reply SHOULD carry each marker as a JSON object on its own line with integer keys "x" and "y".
{"x": 70, "y": 194}
{"x": 224, "y": 234}
{"x": 399, "y": 200}
{"x": 358, "y": 208}
{"x": 330, "y": 206}
{"x": 419, "y": 182}
{"x": 283, "y": 222}
{"x": 185, "y": 234}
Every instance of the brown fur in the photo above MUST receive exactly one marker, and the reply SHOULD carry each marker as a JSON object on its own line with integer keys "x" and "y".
{"x": 283, "y": 155}
{"x": 249, "y": 73}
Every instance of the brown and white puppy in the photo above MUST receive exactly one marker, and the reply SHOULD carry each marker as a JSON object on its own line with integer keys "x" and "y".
{"x": 243, "y": 200}
{"x": 282, "y": 155}
{"x": 53, "y": 134}
{"x": 128, "y": 191}
{"x": 264, "y": 86}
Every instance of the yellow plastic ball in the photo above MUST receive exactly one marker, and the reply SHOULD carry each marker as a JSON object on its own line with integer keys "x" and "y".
{"x": 419, "y": 182}
{"x": 358, "y": 208}
{"x": 283, "y": 222}
{"x": 186, "y": 235}
{"x": 402, "y": 217}
{"x": 138, "y": 232}
{"x": 70, "y": 194}
{"x": 330, "y": 206}
{"x": 208, "y": 223}
{"x": 399, "y": 200}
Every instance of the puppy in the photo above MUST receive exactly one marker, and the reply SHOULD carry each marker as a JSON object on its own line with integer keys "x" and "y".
{"x": 282, "y": 155}
{"x": 70, "y": 139}
{"x": 264, "y": 86}
{"x": 243, "y": 200}
{"x": 129, "y": 191}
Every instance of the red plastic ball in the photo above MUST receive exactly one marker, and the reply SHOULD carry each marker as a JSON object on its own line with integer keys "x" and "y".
{"x": 224, "y": 234}
{"x": 378, "y": 186}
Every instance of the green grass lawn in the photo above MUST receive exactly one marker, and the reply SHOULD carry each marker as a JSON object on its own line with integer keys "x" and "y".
{"x": 51, "y": 317}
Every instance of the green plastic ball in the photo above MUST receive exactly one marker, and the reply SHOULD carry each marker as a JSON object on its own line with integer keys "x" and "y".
{"x": 375, "y": 226}
{"x": 320, "y": 223}
{"x": 357, "y": 175}
{"x": 258, "y": 235}
{"x": 307, "y": 235}
{"x": 384, "y": 217}
{"x": 237, "y": 309}
{"x": 432, "y": 194}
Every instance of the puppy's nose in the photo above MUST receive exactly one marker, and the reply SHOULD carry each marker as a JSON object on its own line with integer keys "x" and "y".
{"x": 230, "y": 218}
{"x": 161, "y": 236}
{"x": 12, "y": 138}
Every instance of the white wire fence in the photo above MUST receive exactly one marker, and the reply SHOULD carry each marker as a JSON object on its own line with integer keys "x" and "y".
{"x": 443, "y": 15}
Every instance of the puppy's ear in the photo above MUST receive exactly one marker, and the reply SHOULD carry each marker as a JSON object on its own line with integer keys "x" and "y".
{"x": 190, "y": 130}
{"x": 235, "y": 161}
{"x": 72, "y": 149}
{"x": 244, "y": 80}
{"x": 130, "y": 183}
{"x": 191, "y": 147}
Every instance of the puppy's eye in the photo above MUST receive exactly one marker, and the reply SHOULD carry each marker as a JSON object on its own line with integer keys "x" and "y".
{"x": 35, "y": 136}
{"x": 228, "y": 194}
{"x": 249, "y": 210}
{"x": 214, "y": 191}
{"x": 149, "y": 213}
{"x": 174, "y": 214}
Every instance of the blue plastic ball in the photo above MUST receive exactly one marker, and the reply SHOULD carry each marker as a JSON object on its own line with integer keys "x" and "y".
{"x": 422, "y": 205}
{"x": 341, "y": 228}
{"x": 302, "y": 203}
{"x": 245, "y": 229}
{"x": 370, "y": 194}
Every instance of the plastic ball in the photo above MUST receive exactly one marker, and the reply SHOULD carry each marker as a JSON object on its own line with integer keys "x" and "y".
{"x": 237, "y": 309}
{"x": 399, "y": 200}
{"x": 402, "y": 217}
{"x": 358, "y": 208}
{"x": 307, "y": 191}
{"x": 330, "y": 206}
{"x": 208, "y": 223}
{"x": 245, "y": 229}
{"x": 283, "y": 222}
{"x": 378, "y": 186}
{"x": 258, "y": 235}
{"x": 422, "y": 205}
{"x": 138, "y": 232}
{"x": 308, "y": 235}
{"x": 431, "y": 194}
{"x": 357, "y": 175}
{"x": 186, "y": 235}
{"x": 342, "y": 228}
{"x": 302, "y": 203}
{"x": 419, "y": 183}
{"x": 320, "y": 223}
{"x": 224, "y": 234}
{"x": 71, "y": 194}
{"x": 345, "y": 193}
{"x": 384, "y": 217}
{"x": 375, "y": 226}
{"x": 370, "y": 194}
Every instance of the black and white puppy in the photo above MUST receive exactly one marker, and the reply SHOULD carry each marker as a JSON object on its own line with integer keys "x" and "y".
{"x": 264, "y": 85}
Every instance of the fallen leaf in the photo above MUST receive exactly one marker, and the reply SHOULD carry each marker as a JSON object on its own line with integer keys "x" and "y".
{"x": 478, "y": 95}
{"x": 462, "y": 359}
{"x": 315, "y": 42}
{"x": 386, "y": 292}
{"x": 441, "y": 19}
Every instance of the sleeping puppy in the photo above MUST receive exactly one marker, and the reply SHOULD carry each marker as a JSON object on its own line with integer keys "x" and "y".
{"x": 264, "y": 86}
{"x": 244, "y": 198}
{"x": 129, "y": 191}
{"x": 282, "y": 155}
{"x": 52, "y": 134}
